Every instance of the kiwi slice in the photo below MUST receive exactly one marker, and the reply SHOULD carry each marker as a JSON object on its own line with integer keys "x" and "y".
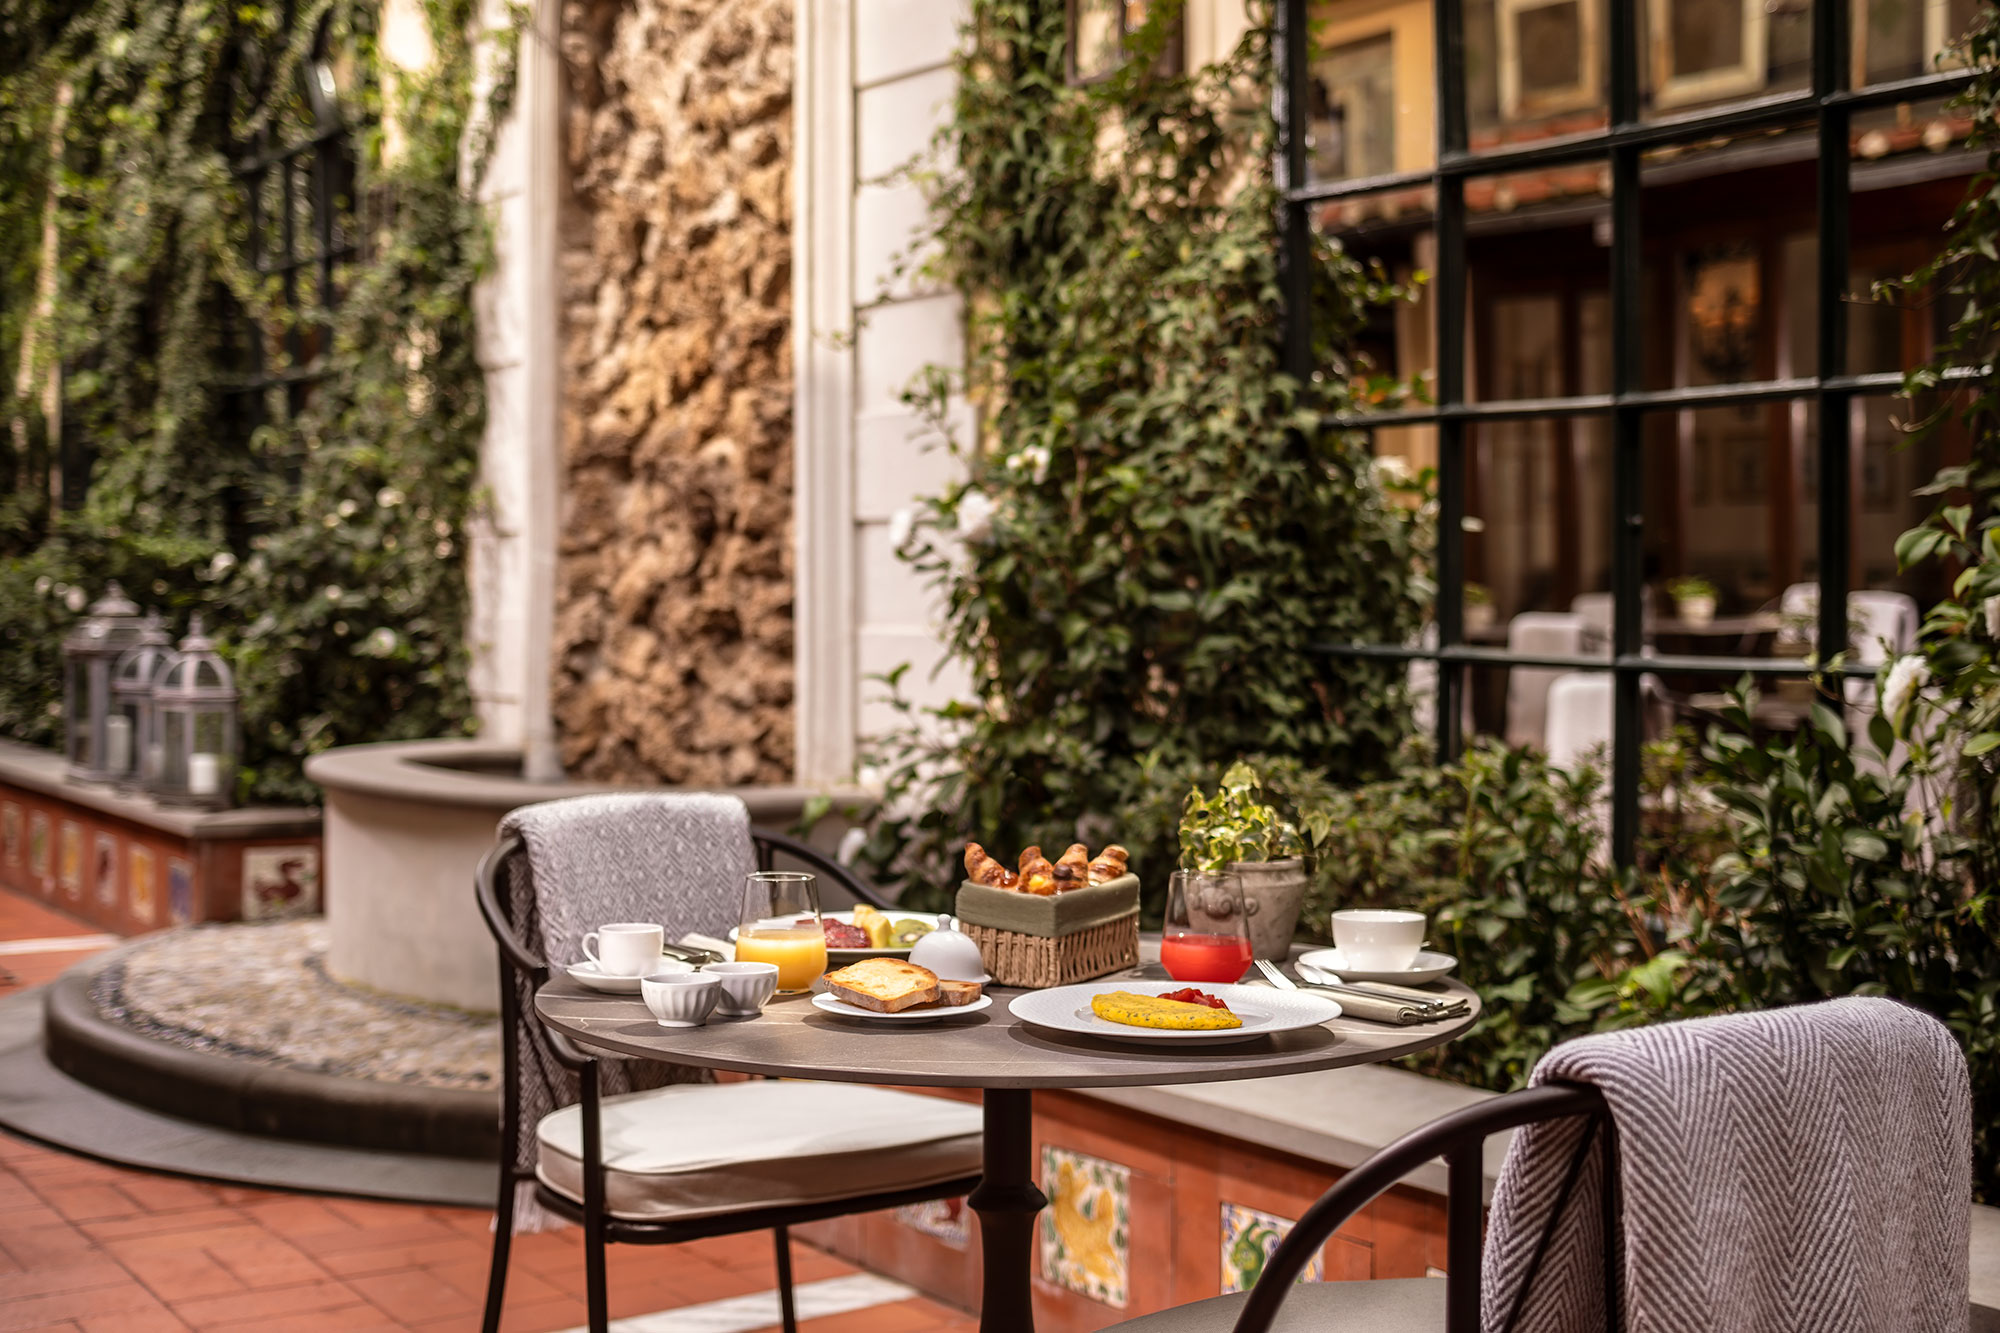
{"x": 909, "y": 930}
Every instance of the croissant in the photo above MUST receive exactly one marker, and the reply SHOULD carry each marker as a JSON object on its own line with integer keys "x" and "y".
{"x": 983, "y": 869}
{"x": 1037, "y": 875}
{"x": 1029, "y": 854}
{"x": 1072, "y": 871}
{"x": 1109, "y": 865}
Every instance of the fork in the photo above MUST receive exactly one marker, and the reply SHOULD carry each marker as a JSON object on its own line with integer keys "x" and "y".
{"x": 1276, "y": 976}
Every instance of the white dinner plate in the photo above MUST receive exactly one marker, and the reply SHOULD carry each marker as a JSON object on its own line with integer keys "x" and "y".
{"x": 1264, "y": 1011}
{"x": 587, "y": 973}
{"x": 842, "y": 957}
{"x": 1428, "y": 968}
{"x": 925, "y": 1014}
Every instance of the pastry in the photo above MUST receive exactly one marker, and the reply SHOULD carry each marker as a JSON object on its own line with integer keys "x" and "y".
{"x": 983, "y": 869}
{"x": 1073, "y": 870}
{"x": 1037, "y": 875}
{"x": 1109, "y": 865}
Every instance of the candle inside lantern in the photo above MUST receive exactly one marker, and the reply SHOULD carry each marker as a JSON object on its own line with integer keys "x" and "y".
{"x": 204, "y": 774}
{"x": 118, "y": 745}
{"x": 156, "y": 756}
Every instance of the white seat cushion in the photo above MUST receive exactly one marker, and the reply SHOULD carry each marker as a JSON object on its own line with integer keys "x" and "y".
{"x": 697, "y": 1149}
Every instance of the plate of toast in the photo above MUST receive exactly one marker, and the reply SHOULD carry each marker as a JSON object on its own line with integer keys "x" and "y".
{"x": 894, "y": 990}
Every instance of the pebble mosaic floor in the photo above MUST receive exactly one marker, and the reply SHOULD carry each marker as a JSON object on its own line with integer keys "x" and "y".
{"x": 262, "y": 993}
{"x": 91, "y": 1248}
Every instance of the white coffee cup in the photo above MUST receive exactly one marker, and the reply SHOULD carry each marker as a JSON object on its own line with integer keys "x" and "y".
{"x": 629, "y": 948}
{"x": 681, "y": 999}
{"x": 1377, "y": 940}
{"x": 746, "y": 987}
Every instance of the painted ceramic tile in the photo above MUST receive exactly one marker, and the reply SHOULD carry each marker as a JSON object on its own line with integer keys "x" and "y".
{"x": 104, "y": 869}
{"x": 280, "y": 881}
{"x": 139, "y": 885}
{"x": 69, "y": 855}
{"x": 180, "y": 891}
{"x": 1086, "y": 1230}
{"x": 38, "y": 849}
{"x": 1248, "y": 1240}
{"x": 941, "y": 1219}
{"x": 10, "y": 833}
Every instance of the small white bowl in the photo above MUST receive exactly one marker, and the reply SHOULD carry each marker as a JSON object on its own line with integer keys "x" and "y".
{"x": 950, "y": 954}
{"x": 681, "y": 999}
{"x": 746, "y": 987}
{"x": 1378, "y": 940}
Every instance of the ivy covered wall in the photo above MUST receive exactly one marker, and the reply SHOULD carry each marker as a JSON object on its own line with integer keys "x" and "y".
{"x": 321, "y": 529}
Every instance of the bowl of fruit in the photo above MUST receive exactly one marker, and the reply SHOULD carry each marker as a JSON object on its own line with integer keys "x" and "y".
{"x": 869, "y": 932}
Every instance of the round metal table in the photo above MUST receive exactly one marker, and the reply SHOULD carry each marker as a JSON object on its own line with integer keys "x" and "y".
{"x": 990, "y": 1050}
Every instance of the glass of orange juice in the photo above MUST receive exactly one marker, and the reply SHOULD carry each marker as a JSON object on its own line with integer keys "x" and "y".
{"x": 780, "y": 924}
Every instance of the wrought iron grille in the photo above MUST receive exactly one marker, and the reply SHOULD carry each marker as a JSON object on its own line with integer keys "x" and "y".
{"x": 1827, "y": 106}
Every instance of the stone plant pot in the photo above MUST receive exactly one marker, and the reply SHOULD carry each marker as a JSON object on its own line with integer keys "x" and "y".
{"x": 1696, "y": 611}
{"x": 1273, "y": 891}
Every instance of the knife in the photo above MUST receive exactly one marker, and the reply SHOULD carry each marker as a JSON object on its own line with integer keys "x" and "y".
{"x": 1384, "y": 988}
{"x": 1414, "y": 999}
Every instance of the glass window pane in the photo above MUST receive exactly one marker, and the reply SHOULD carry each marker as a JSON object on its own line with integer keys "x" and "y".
{"x": 1699, "y": 52}
{"x": 1353, "y": 111}
{"x": 1537, "y": 510}
{"x": 1098, "y": 44}
{"x": 1534, "y": 68}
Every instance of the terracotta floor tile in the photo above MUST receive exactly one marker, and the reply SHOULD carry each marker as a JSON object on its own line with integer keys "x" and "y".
{"x": 136, "y": 1321}
{"x": 543, "y": 1316}
{"x": 165, "y": 1194}
{"x": 389, "y": 1258}
{"x": 902, "y": 1317}
{"x": 295, "y": 1216}
{"x": 413, "y": 1295}
{"x": 154, "y": 1224}
{"x": 127, "y": 1302}
{"x": 48, "y": 1279}
{"x": 180, "y": 1275}
{"x": 357, "y": 1318}
{"x": 272, "y": 1303}
{"x": 263, "y": 1260}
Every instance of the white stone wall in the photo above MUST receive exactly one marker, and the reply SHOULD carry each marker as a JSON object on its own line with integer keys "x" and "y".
{"x": 875, "y": 84}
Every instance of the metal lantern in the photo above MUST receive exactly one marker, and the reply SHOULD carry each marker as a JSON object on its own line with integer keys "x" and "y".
{"x": 131, "y": 722}
{"x": 194, "y": 737}
{"x": 98, "y": 750}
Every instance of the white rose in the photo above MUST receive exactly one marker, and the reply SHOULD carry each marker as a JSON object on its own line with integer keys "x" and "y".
{"x": 380, "y": 642}
{"x": 75, "y": 599}
{"x": 43, "y": 584}
{"x": 902, "y": 525}
{"x": 332, "y": 592}
{"x": 388, "y": 497}
{"x": 221, "y": 564}
{"x": 1392, "y": 468}
{"x": 1035, "y": 460}
{"x": 851, "y": 844}
{"x": 975, "y": 516}
{"x": 1908, "y": 675}
{"x": 1992, "y": 609}
{"x": 346, "y": 508}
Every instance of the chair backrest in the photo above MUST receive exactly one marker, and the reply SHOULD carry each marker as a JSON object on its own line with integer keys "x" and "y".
{"x": 1459, "y": 1138}
{"x": 1537, "y": 634}
{"x": 1888, "y": 624}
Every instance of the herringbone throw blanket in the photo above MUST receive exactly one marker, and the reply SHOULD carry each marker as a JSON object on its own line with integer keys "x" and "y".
{"x": 1804, "y": 1170}
{"x": 678, "y": 858}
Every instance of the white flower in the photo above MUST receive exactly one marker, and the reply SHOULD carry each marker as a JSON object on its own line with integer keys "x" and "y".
{"x": 221, "y": 564}
{"x": 332, "y": 592}
{"x": 346, "y": 508}
{"x": 902, "y": 526}
{"x": 1391, "y": 468}
{"x": 1035, "y": 460}
{"x": 43, "y": 584}
{"x": 75, "y": 599}
{"x": 975, "y": 516}
{"x": 388, "y": 497}
{"x": 1908, "y": 675}
{"x": 380, "y": 642}
{"x": 851, "y": 843}
{"x": 1992, "y": 609}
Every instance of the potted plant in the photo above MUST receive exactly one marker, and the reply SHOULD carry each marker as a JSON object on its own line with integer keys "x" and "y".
{"x": 1478, "y": 608}
{"x": 1234, "y": 828}
{"x": 1694, "y": 600}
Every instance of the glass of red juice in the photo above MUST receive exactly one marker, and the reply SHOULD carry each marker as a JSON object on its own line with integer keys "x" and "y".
{"x": 1207, "y": 934}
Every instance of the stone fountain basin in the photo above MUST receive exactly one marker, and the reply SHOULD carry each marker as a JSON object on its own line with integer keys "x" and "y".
{"x": 406, "y": 824}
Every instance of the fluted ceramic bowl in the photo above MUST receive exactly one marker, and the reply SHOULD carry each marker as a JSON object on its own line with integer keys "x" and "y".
{"x": 681, "y": 999}
{"x": 746, "y": 987}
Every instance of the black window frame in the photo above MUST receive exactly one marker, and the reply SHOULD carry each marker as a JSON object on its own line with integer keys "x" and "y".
{"x": 1828, "y": 104}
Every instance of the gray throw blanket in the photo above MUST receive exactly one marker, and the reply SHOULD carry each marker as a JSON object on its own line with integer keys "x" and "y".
{"x": 676, "y": 858}
{"x": 1804, "y": 1169}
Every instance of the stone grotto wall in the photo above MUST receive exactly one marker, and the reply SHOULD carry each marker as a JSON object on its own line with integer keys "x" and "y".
{"x": 674, "y": 595}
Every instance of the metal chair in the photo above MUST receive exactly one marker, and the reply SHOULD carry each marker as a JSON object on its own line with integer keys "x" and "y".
{"x": 1409, "y": 1304}
{"x": 600, "y": 1226}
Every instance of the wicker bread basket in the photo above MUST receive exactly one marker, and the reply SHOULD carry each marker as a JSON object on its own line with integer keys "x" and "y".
{"x": 1053, "y": 941}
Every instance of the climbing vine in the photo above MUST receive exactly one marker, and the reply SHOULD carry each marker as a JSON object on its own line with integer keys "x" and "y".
{"x": 1155, "y": 523}
{"x": 321, "y": 528}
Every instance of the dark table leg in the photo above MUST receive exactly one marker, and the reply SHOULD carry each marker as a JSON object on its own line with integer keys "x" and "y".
{"x": 1007, "y": 1201}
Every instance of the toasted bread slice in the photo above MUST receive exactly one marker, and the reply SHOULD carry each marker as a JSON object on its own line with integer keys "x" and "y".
{"x": 955, "y": 993}
{"x": 886, "y": 985}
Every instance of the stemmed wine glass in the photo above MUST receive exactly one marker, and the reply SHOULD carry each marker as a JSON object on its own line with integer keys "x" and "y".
{"x": 780, "y": 924}
{"x": 1207, "y": 934}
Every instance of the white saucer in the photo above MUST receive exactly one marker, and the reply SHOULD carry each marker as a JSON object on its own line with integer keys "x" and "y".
{"x": 828, "y": 1004}
{"x": 1262, "y": 1010}
{"x": 586, "y": 973}
{"x": 1429, "y": 967}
